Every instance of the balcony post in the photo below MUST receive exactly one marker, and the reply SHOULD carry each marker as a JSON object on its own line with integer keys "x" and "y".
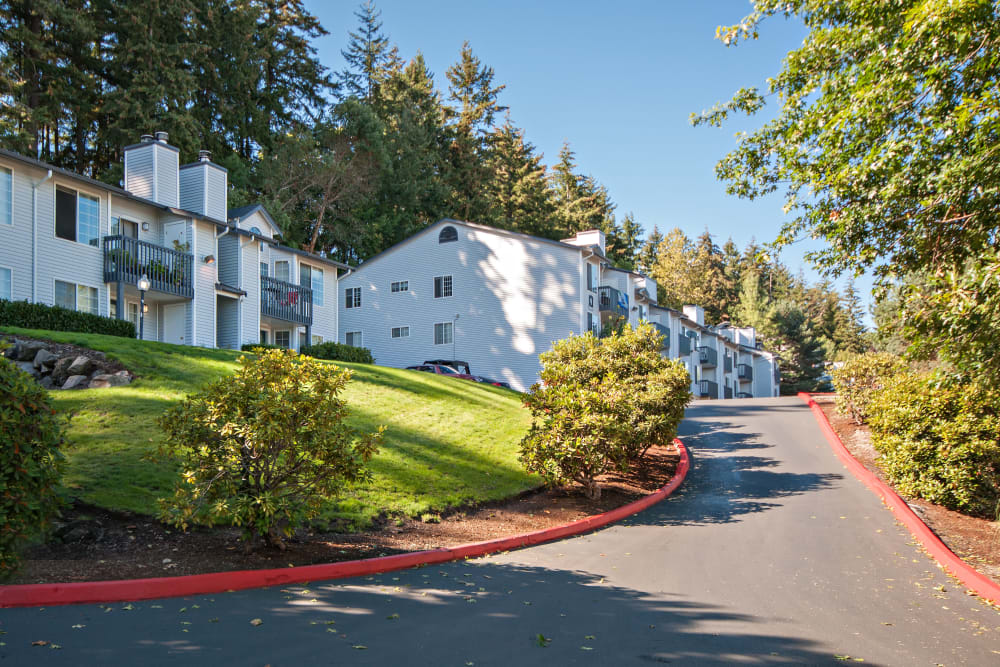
{"x": 120, "y": 300}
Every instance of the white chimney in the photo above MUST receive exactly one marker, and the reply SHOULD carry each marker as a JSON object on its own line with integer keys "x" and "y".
{"x": 151, "y": 169}
{"x": 588, "y": 238}
{"x": 696, "y": 313}
{"x": 204, "y": 187}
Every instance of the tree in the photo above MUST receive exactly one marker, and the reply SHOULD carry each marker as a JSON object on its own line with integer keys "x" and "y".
{"x": 581, "y": 203}
{"x": 601, "y": 404}
{"x": 672, "y": 270}
{"x": 754, "y": 308}
{"x": 369, "y": 56}
{"x": 886, "y": 146}
{"x": 517, "y": 192}
{"x": 799, "y": 350}
{"x": 649, "y": 252}
{"x": 263, "y": 448}
{"x": 623, "y": 241}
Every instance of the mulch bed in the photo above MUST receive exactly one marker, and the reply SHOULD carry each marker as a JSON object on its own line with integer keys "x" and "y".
{"x": 976, "y": 541}
{"x": 99, "y": 545}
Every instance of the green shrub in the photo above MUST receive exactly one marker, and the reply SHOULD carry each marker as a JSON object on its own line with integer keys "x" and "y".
{"x": 339, "y": 352}
{"x": 939, "y": 440}
{"x": 263, "y": 448}
{"x": 250, "y": 347}
{"x": 56, "y": 318}
{"x": 30, "y": 461}
{"x": 860, "y": 379}
{"x": 602, "y": 403}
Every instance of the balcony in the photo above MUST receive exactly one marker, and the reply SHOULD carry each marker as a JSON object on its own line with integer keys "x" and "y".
{"x": 708, "y": 356}
{"x": 663, "y": 331}
{"x": 169, "y": 271}
{"x": 612, "y": 300}
{"x": 708, "y": 389}
{"x": 728, "y": 392}
{"x": 727, "y": 365}
{"x": 285, "y": 301}
{"x": 683, "y": 345}
{"x": 744, "y": 372}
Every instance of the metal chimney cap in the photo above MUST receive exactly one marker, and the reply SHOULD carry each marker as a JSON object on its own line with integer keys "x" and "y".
{"x": 204, "y": 156}
{"x": 162, "y": 137}
{"x": 146, "y": 138}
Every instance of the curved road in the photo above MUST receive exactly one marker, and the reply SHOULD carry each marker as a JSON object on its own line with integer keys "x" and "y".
{"x": 770, "y": 553}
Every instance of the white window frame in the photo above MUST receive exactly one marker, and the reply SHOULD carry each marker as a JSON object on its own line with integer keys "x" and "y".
{"x": 451, "y": 287}
{"x": 399, "y": 286}
{"x": 359, "y": 334}
{"x": 128, "y": 314}
{"x": 317, "y": 339}
{"x": 76, "y": 229}
{"x": 76, "y": 294}
{"x": 10, "y": 272}
{"x": 393, "y": 330}
{"x": 349, "y": 300}
{"x": 286, "y": 332}
{"x": 447, "y": 326}
{"x": 10, "y": 201}
{"x": 316, "y": 293}
{"x": 287, "y": 263}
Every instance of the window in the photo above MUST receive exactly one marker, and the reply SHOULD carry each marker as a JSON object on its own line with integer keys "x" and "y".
{"x": 400, "y": 286}
{"x": 283, "y": 339}
{"x": 124, "y": 227}
{"x": 255, "y": 230}
{"x": 302, "y": 339}
{"x": 263, "y": 336}
{"x": 113, "y": 309}
{"x": 353, "y": 338}
{"x": 281, "y": 269}
{"x": 442, "y": 286}
{"x": 133, "y": 315}
{"x": 401, "y": 332}
{"x": 591, "y": 323}
{"x": 312, "y": 278}
{"x": 443, "y": 333}
{"x": 77, "y": 217}
{"x": 6, "y": 288}
{"x": 592, "y": 279}
{"x": 263, "y": 269}
{"x": 352, "y": 297}
{"x": 76, "y": 297}
{"x": 447, "y": 234}
{"x": 317, "y": 339}
{"x": 6, "y": 197}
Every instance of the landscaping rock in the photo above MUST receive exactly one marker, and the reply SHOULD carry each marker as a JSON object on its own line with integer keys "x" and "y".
{"x": 12, "y": 351}
{"x": 80, "y": 531}
{"x": 47, "y": 382}
{"x": 76, "y": 382}
{"x": 45, "y": 359}
{"x": 28, "y": 368}
{"x": 27, "y": 350}
{"x": 61, "y": 370}
{"x": 104, "y": 381}
{"x": 81, "y": 366}
{"x": 124, "y": 374}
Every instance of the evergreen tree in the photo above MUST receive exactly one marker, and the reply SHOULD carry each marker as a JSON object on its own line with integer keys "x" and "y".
{"x": 799, "y": 351}
{"x": 518, "y": 194}
{"x": 672, "y": 270}
{"x": 623, "y": 241}
{"x": 708, "y": 278}
{"x": 648, "y": 254}
{"x": 754, "y": 308}
{"x": 369, "y": 56}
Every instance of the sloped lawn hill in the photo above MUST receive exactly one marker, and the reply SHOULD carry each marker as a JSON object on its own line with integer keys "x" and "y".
{"x": 448, "y": 442}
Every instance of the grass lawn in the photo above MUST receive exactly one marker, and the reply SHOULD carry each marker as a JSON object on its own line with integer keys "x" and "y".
{"x": 447, "y": 441}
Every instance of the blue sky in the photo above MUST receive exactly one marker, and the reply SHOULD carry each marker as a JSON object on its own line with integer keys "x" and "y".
{"x": 618, "y": 80}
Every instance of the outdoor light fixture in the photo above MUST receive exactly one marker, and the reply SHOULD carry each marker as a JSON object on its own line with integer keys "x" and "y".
{"x": 143, "y": 285}
{"x": 210, "y": 259}
{"x": 145, "y": 226}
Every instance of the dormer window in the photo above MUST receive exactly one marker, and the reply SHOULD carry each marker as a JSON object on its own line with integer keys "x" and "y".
{"x": 255, "y": 230}
{"x": 448, "y": 234}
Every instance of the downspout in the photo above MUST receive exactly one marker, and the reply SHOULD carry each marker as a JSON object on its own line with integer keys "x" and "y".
{"x": 34, "y": 235}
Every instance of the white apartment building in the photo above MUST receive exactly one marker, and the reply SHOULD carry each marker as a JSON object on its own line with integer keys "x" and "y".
{"x": 218, "y": 278}
{"x": 497, "y": 299}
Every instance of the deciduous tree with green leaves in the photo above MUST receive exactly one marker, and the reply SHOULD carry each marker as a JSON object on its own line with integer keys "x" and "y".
{"x": 886, "y": 146}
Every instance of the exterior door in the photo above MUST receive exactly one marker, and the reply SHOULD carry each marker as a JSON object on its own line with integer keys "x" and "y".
{"x": 174, "y": 319}
{"x": 174, "y": 231}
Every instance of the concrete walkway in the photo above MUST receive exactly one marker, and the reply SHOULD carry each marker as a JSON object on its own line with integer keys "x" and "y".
{"x": 770, "y": 553}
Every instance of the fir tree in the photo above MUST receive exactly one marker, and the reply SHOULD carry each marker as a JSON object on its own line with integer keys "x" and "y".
{"x": 369, "y": 56}
{"x": 518, "y": 194}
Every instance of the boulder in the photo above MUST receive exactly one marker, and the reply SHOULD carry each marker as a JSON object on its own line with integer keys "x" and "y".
{"x": 28, "y": 368}
{"x": 27, "y": 349}
{"x": 12, "y": 351}
{"x": 47, "y": 382}
{"x": 105, "y": 381}
{"x": 80, "y": 531}
{"x": 81, "y": 366}
{"x": 76, "y": 382}
{"x": 124, "y": 375}
{"x": 61, "y": 370}
{"x": 45, "y": 359}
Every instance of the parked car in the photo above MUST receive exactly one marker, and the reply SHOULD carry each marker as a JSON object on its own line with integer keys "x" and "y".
{"x": 441, "y": 369}
{"x": 460, "y": 366}
{"x": 495, "y": 383}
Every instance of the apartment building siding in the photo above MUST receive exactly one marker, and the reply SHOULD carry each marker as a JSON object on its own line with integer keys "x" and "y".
{"x": 513, "y": 297}
{"x": 227, "y": 332}
{"x": 250, "y": 257}
{"x": 192, "y": 182}
{"x": 325, "y": 314}
{"x": 205, "y": 277}
{"x": 16, "y": 237}
{"x": 228, "y": 257}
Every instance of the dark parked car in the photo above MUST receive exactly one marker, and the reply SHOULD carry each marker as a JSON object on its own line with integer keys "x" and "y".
{"x": 441, "y": 369}
{"x": 460, "y": 366}
{"x": 495, "y": 383}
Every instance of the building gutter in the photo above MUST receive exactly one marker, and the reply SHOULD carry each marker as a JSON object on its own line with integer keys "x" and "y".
{"x": 34, "y": 235}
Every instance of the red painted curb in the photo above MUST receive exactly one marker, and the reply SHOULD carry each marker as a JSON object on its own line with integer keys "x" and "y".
{"x": 975, "y": 581}
{"x": 38, "y": 595}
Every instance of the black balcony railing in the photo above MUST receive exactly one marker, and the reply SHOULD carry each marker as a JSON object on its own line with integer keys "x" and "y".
{"x": 127, "y": 259}
{"x": 610, "y": 299}
{"x": 683, "y": 345}
{"x": 744, "y": 372}
{"x": 663, "y": 331}
{"x": 708, "y": 389}
{"x": 727, "y": 365}
{"x": 728, "y": 392}
{"x": 286, "y": 301}
{"x": 708, "y": 356}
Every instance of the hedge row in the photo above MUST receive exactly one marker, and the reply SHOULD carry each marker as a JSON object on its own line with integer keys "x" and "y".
{"x": 56, "y": 318}
{"x": 339, "y": 352}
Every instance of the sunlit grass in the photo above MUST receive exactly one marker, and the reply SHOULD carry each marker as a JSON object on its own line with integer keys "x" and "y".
{"x": 447, "y": 441}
